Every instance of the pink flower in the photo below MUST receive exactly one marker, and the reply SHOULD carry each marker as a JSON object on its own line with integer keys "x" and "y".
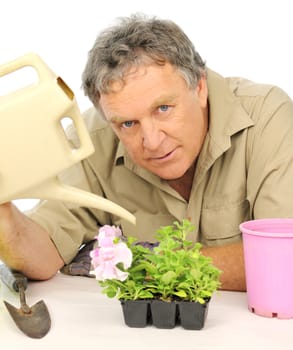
{"x": 107, "y": 235}
{"x": 109, "y": 253}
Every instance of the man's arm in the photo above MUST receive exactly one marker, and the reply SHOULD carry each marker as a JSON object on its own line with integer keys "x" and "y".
{"x": 230, "y": 260}
{"x": 25, "y": 246}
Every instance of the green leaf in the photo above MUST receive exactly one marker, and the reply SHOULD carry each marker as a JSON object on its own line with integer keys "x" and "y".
{"x": 195, "y": 273}
{"x": 168, "y": 277}
{"x": 200, "y": 300}
{"x": 145, "y": 294}
{"x": 180, "y": 294}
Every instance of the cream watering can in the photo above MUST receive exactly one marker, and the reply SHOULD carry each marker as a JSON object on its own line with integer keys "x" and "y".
{"x": 33, "y": 146}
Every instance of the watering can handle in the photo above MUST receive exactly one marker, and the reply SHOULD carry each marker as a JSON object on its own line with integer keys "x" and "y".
{"x": 46, "y": 74}
{"x": 28, "y": 60}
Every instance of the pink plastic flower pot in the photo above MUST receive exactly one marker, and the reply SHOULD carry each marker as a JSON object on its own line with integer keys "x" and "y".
{"x": 268, "y": 255}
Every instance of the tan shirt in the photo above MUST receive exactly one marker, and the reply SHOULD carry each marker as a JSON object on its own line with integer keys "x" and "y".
{"x": 244, "y": 171}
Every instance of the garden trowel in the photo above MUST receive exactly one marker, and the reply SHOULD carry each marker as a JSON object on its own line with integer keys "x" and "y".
{"x": 33, "y": 321}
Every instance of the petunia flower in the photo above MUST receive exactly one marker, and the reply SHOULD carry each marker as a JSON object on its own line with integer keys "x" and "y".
{"x": 107, "y": 235}
{"x": 109, "y": 253}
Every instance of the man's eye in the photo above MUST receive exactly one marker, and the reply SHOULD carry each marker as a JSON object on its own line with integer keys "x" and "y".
{"x": 127, "y": 124}
{"x": 164, "y": 108}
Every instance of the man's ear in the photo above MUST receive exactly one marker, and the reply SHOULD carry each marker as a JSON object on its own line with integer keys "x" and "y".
{"x": 202, "y": 91}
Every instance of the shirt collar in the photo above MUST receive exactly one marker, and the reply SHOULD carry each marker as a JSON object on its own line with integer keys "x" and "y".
{"x": 120, "y": 154}
{"x": 227, "y": 115}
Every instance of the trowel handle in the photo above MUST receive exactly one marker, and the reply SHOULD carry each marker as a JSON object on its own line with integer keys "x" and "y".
{"x": 13, "y": 279}
{"x": 28, "y": 60}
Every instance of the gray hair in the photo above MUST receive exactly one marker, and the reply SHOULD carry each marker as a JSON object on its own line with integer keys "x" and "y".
{"x": 134, "y": 41}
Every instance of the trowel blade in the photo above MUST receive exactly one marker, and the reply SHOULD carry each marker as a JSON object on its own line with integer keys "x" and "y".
{"x": 35, "y": 324}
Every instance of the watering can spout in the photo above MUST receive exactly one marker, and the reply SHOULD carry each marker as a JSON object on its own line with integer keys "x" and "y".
{"x": 55, "y": 190}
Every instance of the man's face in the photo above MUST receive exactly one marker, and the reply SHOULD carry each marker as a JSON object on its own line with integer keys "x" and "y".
{"x": 161, "y": 122}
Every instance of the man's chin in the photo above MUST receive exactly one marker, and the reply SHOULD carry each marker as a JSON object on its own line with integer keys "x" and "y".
{"x": 168, "y": 177}
{"x": 175, "y": 176}
{"x": 167, "y": 174}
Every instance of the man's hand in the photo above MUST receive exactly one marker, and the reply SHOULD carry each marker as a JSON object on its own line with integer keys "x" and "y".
{"x": 81, "y": 264}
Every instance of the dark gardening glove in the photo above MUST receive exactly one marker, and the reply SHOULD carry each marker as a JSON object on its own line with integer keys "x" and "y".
{"x": 81, "y": 264}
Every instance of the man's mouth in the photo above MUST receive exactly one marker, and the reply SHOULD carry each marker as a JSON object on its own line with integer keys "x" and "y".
{"x": 166, "y": 156}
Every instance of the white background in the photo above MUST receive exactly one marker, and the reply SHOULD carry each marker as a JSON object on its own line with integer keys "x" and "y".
{"x": 249, "y": 38}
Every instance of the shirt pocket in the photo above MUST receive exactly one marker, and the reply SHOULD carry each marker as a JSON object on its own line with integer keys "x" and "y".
{"x": 220, "y": 224}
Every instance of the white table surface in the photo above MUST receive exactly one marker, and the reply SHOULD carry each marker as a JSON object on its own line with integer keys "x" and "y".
{"x": 83, "y": 318}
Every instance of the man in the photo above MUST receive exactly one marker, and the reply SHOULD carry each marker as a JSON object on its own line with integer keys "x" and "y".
{"x": 173, "y": 140}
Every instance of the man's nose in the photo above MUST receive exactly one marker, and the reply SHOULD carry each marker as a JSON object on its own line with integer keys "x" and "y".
{"x": 152, "y": 136}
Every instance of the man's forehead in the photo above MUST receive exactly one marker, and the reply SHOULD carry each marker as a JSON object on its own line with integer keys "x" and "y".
{"x": 162, "y": 99}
